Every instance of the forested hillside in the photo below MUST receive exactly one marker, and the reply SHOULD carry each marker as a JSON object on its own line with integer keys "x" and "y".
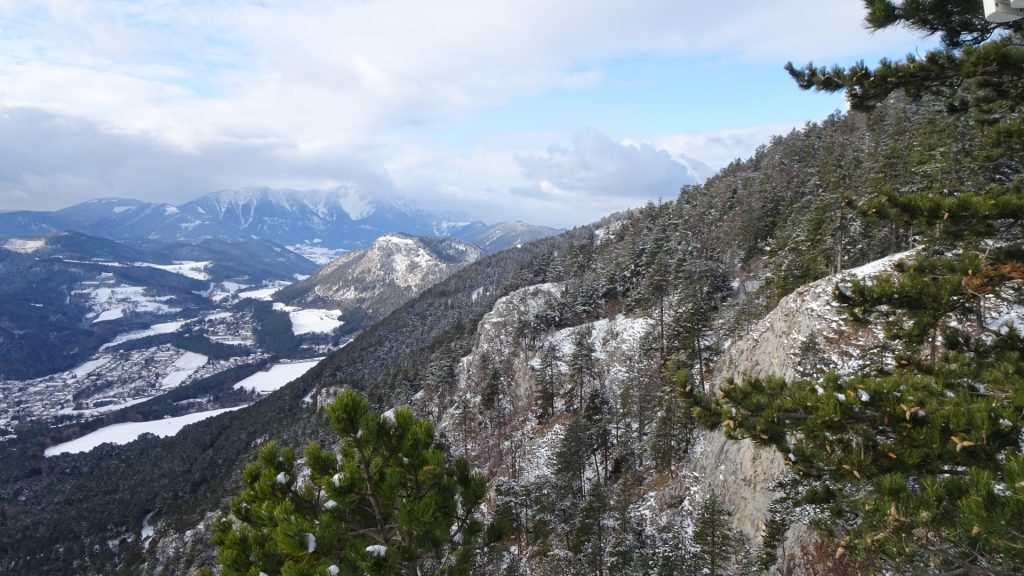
{"x": 726, "y": 383}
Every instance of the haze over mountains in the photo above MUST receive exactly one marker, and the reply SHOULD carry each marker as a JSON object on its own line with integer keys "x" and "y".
{"x": 341, "y": 218}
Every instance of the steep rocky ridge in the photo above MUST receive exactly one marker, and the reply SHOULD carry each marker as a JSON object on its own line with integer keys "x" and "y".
{"x": 741, "y": 472}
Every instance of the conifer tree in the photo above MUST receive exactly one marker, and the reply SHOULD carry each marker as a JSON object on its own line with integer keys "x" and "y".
{"x": 389, "y": 501}
{"x": 545, "y": 383}
{"x": 582, "y": 369}
{"x": 591, "y": 537}
{"x": 926, "y": 453}
{"x": 918, "y": 454}
{"x": 490, "y": 392}
{"x": 977, "y": 64}
{"x": 773, "y": 534}
{"x": 638, "y": 395}
{"x": 976, "y": 69}
{"x": 675, "y": 424}
{"x": 628, "y": 551}
{"x": 570, "y": 461}
{"x": 440, "y": 379}
{"x": 597, "y": 415}
{"x": 714, "y": 536}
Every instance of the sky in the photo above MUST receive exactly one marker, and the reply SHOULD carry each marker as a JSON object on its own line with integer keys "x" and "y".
{"x": 554, "y": 112}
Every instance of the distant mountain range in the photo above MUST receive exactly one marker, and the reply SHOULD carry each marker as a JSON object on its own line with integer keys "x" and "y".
{"x": 342, "y": 218}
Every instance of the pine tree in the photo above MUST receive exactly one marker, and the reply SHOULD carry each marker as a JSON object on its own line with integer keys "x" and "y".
{"x": 545, "y": 383}
{"x": 714, "y": 536}
{"x": 639, "y": 394}
{"x": 568, "y": 488}
{"x": 491, "y": 387}
{"x": 917, "y": 454}
{"x": 629, "y": 552}
{"x": 582, "y": 368}
{"x": 390, "y": 501}
{"x": 773, "y": 534}
{"x": 812, "y": 360}
{"x": 591, "y": 537}
{"x": 440, "y": 380}
{"x": 977, "y": 69}
{"x": 918, "y": 451}
{"x": 675, "y": 424}
{"x": 570, "y": 461}
{"x": 977, "y": 65}
{"x": 676, "y": 557}
{"x": 597, "y": 415}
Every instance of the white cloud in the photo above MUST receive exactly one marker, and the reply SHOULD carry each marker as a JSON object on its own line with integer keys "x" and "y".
{"x": 560, "y": 186}
{"x": 322, "y": 71}
{"x": 83, "y": 161}
{"x": 169, "y": 99}
{"x": 719, "y": 147}
{"x": 598, "y": 166}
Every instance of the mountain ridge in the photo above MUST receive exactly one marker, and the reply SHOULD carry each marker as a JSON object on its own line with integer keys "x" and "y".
{"x": 339, "y": 218}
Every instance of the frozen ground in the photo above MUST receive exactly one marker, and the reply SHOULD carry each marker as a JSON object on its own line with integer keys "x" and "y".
{"x": 306, "y": 321}
{"x": 112, "y": 302}
{"x": 278, "y": 375}
{"x": 190, "y": 269}
{"x": 89, "y": 367}
{"x": 163, "y": 328}
{"x": 264, "y": 293}
{"x": 24, "y": 246}
{"x": 316, "y": 253}
{"x": 182, "y": 368}
{"x": 128, "y": 431}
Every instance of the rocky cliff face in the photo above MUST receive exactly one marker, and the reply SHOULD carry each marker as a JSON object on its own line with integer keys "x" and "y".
{"x": 742, "y": 473}
{"x": 516, "y": 449}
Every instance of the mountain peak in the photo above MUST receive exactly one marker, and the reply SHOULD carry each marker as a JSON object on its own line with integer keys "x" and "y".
{"x": 382, "y": 277}
{"x": 325, "y": 203}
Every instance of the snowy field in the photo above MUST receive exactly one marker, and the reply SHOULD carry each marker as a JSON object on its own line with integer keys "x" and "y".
{"x": 103, "y": 409}
{"x": 128, "y": 431}
{"x": 111, "y": 303}
{"x": 278, "y": 375}
{"x": 156, "y": 329}
{"x": 182, "y": 368}
{"x": 317, "y": 254}
{"x": 306, "y": 321}
{"x": 224, "y": 290}
{"x": 89, "y": 367}
{"x": 196, "y": 270}
{"x": 264, "y": 293}
{"x": 24, "y": 246}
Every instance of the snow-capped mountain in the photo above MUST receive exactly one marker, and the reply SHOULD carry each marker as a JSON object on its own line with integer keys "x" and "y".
{"x": 342, "y": 218}
{"x": 506, "y": 235}
{"x": 379, "y": 279}
{"x": 338, "y": 218}
{"x": 87, "y": 213}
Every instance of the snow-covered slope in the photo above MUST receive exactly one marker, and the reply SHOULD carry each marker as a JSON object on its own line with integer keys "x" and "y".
{"x": 499, "y": 341}
{"x": 378, "y": 279}
{"x": 505, "y": 235}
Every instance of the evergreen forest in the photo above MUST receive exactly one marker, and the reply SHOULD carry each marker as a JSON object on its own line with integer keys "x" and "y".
{"x": 546, "y": 410}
